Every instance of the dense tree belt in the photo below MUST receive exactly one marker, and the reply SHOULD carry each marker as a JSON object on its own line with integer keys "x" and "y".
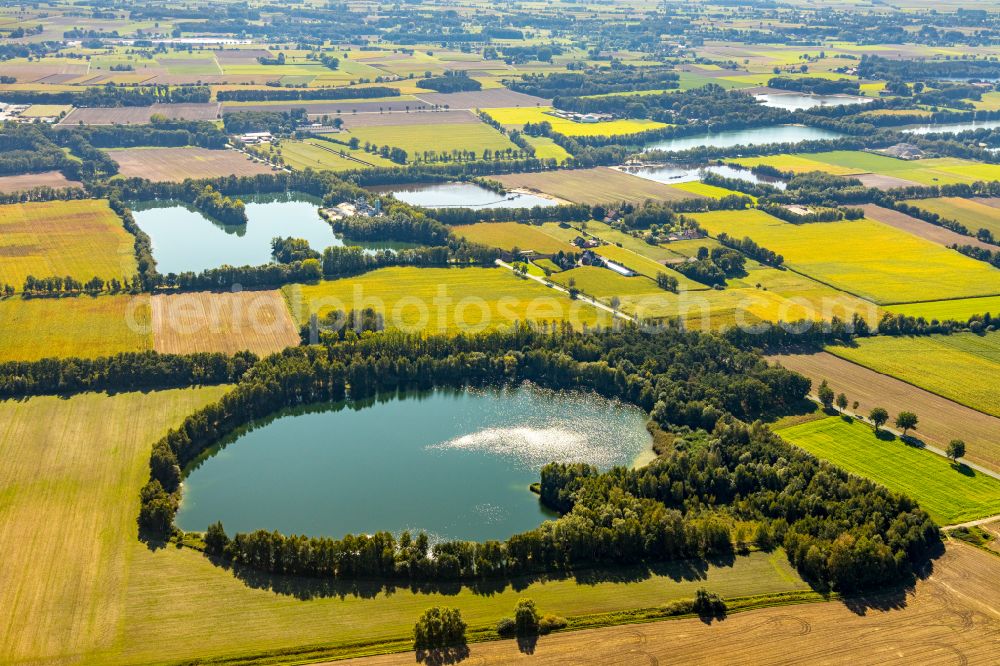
{"x": 840, "y": 531}
{"x": 123, "y": 372}
{"x": 294, "y": 94}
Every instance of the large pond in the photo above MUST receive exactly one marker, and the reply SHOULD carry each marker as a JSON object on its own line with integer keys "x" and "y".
{"x": 799, "y": 101}
{"x": 184, "y": 239}
{"x": 953, "y": 127}
{"x": 745, "y": 137}
{"x": 462, "y": 195}
{"x": 454, "y": 463}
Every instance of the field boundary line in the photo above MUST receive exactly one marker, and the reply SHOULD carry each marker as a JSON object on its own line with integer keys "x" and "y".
{"x": 885, "y": 374}
{"x": 581, "y": 296}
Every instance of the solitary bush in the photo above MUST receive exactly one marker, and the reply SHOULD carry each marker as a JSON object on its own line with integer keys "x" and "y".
{"x": 551, "y": 623}
{"x": 506, "y": 627}
{"x": 708, "y": 604}
{"x": 439, "y": 627}
{"x": 526, "y": 617}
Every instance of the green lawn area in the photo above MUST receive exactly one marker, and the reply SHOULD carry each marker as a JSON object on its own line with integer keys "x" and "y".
{"x": 962, "y": 367}
{"x": 950, "y": 495}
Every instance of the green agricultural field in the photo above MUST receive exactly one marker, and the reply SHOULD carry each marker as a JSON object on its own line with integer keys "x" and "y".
{"x": 438, "y": 139}
{"x": 322, "y": 155}
{"x": 84, "y": 326}
{"x": 547, "y": 149}
{"x": 959, "y": 309}
{"x": 81, "y": 239}
{"x": 958, "y": 366}
{"x": 442, "y": 299}
{"x": 971, "y": 213}
{"x": 701, "y": 189}
{"x": 87, "y": 590}
{"x": 508, "y": 235}
{"x": 948, "y": 494}
{"x": 797, "y": 164}
{"x": 866, "y": 258}
{"x": 518, "y": 117}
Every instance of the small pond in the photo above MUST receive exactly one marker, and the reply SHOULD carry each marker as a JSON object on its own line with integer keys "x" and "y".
{"x": 672, "y": 173}
{"x": 745, "y": 137}
{"x": 454, "y": 463}
{"x": 798, "y": 101}
{"x": 462, "y": 195}
{"x": 184, "y": 239}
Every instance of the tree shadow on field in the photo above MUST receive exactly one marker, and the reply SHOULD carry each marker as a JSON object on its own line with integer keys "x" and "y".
{"x": 441, "y": 656}
{"x": 527, "y": 644}
{"x": 895, "y": 598}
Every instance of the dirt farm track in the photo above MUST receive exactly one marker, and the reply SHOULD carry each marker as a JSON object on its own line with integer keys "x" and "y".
{"x": 951, "y": 617}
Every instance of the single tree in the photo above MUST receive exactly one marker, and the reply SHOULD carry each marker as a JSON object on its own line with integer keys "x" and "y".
{"x": 526, "y": 617}
{"x": 905, "y": 421}
{"x": 842, "y": 402}
{"x": 878, "y": 417}
{"x": 825, "y": 394}
{"x": 956, "y": 449}
{"x": 855, "y": 405}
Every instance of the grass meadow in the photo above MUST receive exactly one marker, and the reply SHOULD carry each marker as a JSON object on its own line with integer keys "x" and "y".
{"x": 81, "y": 239}
{"x": 958, "y": 366}
{"x": 863, "y": 257}
{"x": 948, "y": 493}
{"x": 442, "y": 300}
{"x": 322, "y": 155}
{"x": 83, "y": 326}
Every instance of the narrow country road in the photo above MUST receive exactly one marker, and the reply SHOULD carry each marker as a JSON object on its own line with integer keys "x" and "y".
{"x": 580, "y": 297}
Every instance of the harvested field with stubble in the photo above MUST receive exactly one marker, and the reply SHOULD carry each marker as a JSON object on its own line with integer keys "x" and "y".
{"x": 257, "y": 321}
{"x": 53, "y": 179}
{"x": 941, "y": 420}
{"x": 70, "y": 479}
{"x": 951, "y": 617}
{"x": 600, "y": 185}
{"x": 79, "y": 238}
{"x": 176, "y": 164}
{"x": 140, "y": 115}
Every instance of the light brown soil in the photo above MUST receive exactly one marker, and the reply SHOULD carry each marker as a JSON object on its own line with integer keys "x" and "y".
{"x": 952, "y": 617}
{"x": 941, "y": 420}
{"x": 883, "y": 182}
{"x": 28, "y": 181}
{"x": 917, "y": 227}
